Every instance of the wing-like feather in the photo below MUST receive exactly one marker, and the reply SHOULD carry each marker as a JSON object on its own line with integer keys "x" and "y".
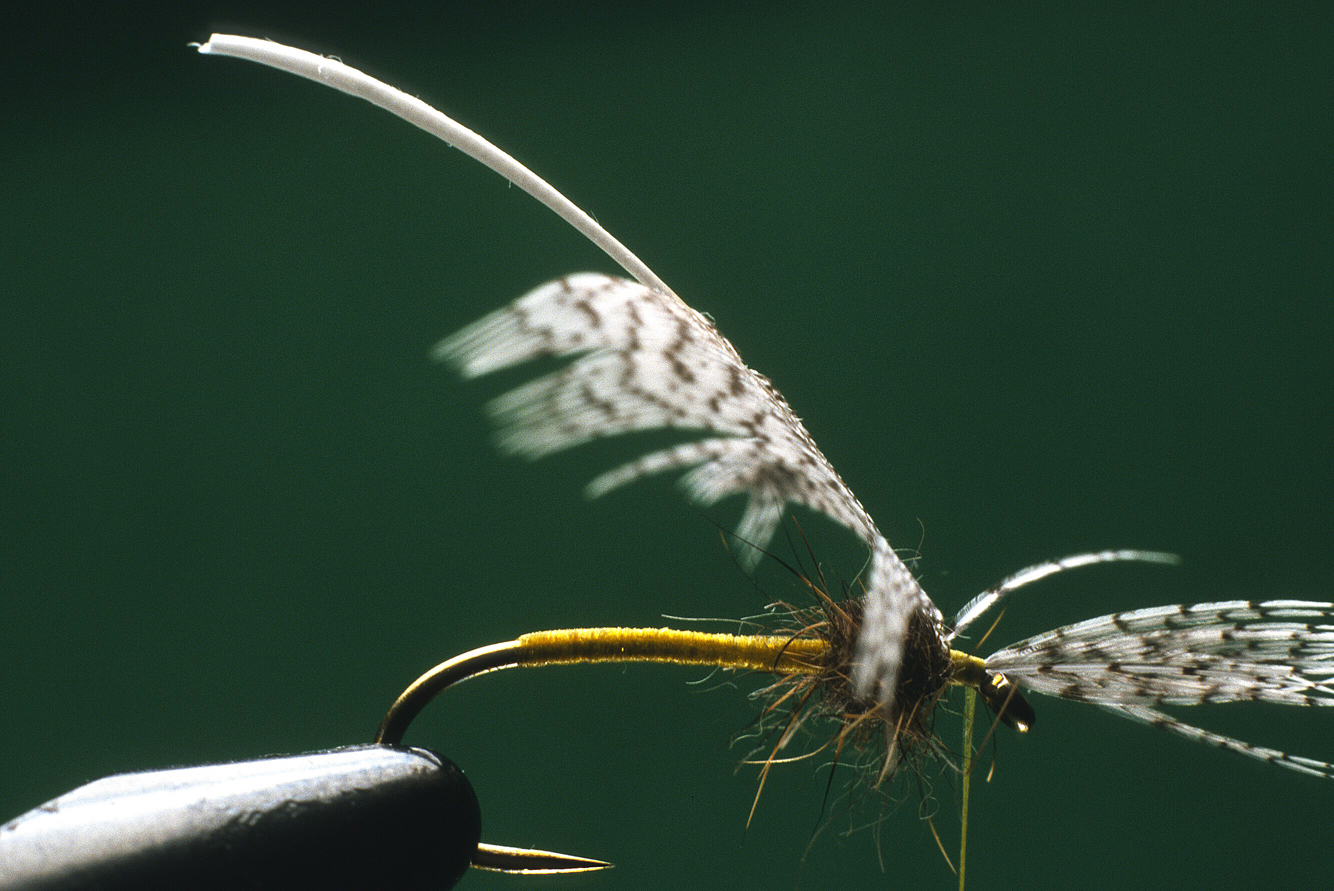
{"x": 1278, "y": 651}
{"x": 645, "y": 360}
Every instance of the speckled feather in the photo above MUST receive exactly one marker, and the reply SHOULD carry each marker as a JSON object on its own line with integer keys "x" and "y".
{"x": 1279, "y": 651}
{"x": 646, "y": 360}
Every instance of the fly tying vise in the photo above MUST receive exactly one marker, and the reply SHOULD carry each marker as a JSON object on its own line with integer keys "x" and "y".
{"x": 349, "y": 818}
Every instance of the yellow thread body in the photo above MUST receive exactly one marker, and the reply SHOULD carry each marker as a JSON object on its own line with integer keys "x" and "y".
{"x": 780, "y": 654}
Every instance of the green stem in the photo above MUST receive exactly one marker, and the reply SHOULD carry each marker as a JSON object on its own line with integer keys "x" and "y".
{"x": 969, "y": 707}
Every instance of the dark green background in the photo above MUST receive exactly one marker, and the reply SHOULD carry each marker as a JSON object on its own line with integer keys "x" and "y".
{"x": 1038, "y": 280}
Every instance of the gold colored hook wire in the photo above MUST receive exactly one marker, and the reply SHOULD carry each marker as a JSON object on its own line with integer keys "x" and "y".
{"x": 778, "y": 654}
{"x": 771, "y": 653}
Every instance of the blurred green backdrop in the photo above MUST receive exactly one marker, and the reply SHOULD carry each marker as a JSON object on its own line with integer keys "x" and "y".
{"x": 1038, "y": 280}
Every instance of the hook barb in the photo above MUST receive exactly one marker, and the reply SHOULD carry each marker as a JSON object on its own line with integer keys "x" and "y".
{"x": 532, "y": 862}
